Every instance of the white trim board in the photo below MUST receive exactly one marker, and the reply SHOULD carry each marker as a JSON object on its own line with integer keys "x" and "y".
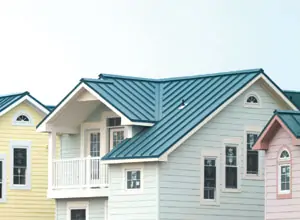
{"x": 124, "y": 120}
{"x": 164, "y": 157}
{"x": 4, "y": 177}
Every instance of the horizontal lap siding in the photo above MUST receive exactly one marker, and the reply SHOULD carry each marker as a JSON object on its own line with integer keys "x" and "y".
{"x": 180, "y": 176}
{"x": 124, "y": 205}
{"x": 282, "y": 209}
{"x": 96, "y": 208}
{"x": 26, "y": 204}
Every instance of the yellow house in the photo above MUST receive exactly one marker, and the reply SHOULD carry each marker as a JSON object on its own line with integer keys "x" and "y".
{"x": 23, "y": 160}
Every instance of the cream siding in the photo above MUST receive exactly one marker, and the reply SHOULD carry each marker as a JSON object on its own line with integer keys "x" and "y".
{"x": 180, "y": 177}
{"x": 282, "y": 209}
{"x": 26, "y": 204}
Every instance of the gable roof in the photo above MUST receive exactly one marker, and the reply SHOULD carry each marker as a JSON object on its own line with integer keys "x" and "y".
{"x": 288, "y": 120}
{"x": 7, "y": 102}
{"x": 294, "y": 96}
{"x": 203, "y": 96}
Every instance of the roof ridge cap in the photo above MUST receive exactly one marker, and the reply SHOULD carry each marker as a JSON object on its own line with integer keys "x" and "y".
{"x": 286, "y": 112}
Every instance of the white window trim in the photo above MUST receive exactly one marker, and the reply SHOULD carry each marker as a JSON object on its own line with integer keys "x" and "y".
{"x": 252, "y": 105}
{"x": 4, "y": 177}
{"x": 233, "y": 142}
{"x": 256, "y": 130}
{"x": 84, "y": 128}
{"x": 282, "y": 192}
{"x": 133, "y": 167}
{"x": 215, "y": 154}
{"x": 106, "y": 210}
{"x": 111, "y": 130}
{"x": 77, "y": 205}
{"x": 18, "y": 123}
{"x": 25, "y": 145}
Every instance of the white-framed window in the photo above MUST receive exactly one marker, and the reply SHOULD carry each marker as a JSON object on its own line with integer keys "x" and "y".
{"x": 284, "y": 172}
{"x": 252, "y": 157}
{"x": 252, "y": 100}
{"x": 94, "y": 143}
{"x": 2, "y": 178}
{"x": 133, "y": 178}
{"x": 210, "y": 177}
{"x": 116, "y": 131}
{"x": 20, "y": 164}
{"x": 77, "y": 211}
{"x": 22, "y": 119}
{"x": 231, "y": 167}
{"x": 116, "y": 136}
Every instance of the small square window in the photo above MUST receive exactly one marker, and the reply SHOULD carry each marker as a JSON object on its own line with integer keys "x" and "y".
{"x": 133, "y": 179}
{"x": 113, "y": 122}
{"x": 78, "y": 214}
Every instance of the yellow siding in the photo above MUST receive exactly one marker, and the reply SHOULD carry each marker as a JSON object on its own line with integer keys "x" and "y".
{"x": 26, "y": 204}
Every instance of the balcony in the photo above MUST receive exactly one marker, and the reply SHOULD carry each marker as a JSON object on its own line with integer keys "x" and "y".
{"x": 79, "y": 177}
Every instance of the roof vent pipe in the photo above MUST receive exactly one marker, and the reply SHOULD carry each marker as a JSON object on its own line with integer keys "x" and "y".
{"x": 182, "y": 105}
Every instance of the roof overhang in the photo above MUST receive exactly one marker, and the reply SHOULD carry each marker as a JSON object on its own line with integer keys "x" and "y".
{"x": 269, "y": 132}
{"x": 31, "y": 100}
{"x": 164, "y": 156}
{"x": 44, "y": 127}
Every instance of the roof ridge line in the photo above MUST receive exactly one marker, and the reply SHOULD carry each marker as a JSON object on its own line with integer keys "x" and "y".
{"x": 15, "y": 94}
{"x": 246, "y": 71}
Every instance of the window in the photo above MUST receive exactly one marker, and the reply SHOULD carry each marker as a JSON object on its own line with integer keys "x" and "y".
{"x": 22, "y": 118}
{"x": 113, "y": 122}
{"x": 77, "y": 210}
{"x": 284, "y": 175}
{"x": 252, "y": 100}
{"x": 209, "y": 178}
{"x": 133, "y": 179}
{"x": 20, "y": 157}
{"x": 116, "y": 132}
{"x": 252, "y": 155}
{"x": 2, "y": 178}
{"x": 94, "y": 142}
{"x": 231, "y": 167}
{"x": 116, "y": 136}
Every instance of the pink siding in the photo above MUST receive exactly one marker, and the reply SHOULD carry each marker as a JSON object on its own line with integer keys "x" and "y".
{"x": 276, "y": 208}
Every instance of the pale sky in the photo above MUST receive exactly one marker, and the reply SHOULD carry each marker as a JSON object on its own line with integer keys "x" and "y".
{"x": 47, "y": 46}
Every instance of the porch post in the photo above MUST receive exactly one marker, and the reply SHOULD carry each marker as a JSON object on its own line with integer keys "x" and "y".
{"x": 51, "y": 156}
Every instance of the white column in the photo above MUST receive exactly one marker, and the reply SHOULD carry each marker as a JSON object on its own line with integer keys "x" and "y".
{"x": 51, "y": 156}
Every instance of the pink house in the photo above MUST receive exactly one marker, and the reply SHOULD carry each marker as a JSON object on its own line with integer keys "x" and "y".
{"x": 280, "y": 140}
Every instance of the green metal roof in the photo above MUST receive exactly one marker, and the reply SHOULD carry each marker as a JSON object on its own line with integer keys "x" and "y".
{"x": 202, "y": 95}
{"x": 291, "y": 119}
{"x": 294, "y": 96}
{"x": 8, "y": 100}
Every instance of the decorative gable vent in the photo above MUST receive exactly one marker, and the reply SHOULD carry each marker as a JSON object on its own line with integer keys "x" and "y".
{"x": 113, "y": 122}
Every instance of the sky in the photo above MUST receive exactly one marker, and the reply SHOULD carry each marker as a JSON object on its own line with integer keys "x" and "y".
{"x": 47, "y": 46}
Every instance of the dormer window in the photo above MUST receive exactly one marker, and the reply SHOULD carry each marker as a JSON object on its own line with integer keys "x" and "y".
{"x": 22, "y": 118}
{"x": 252, "y": 100}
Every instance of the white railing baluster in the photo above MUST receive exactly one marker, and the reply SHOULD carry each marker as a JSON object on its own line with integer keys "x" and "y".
{"x": 79, "y": 173}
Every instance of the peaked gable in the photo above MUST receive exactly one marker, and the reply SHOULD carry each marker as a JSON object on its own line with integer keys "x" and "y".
{"x": 288, "y": 120}
{"x": 7, "y": 102}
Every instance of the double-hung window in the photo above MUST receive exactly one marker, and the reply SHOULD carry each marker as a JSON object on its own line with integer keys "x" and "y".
{"x": 252, "y": 166}
{"x": 231, "y": 167}
{"x": 284, "y": 174}
{"x": 116, "y": 131}
{"x": 20, "y": 164}
{"x": 210, "y": 177}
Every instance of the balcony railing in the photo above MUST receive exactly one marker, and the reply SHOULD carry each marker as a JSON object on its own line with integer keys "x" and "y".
{"x": 86, "y": 172}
